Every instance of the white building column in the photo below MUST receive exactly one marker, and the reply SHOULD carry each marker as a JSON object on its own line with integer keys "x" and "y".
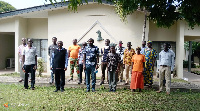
{"x": 20, "y": 32}
{"x": 180, "y": 48}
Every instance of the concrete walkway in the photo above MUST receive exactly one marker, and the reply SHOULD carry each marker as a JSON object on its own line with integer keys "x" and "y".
{"x": 193, "y": 81}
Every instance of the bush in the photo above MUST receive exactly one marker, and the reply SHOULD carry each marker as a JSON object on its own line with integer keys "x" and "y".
{"x": 186, "y": 64}
{"x": 40, "y": 66}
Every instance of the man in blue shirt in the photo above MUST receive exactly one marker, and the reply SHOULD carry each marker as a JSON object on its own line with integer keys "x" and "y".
{"x": 166, "y": 63}
{"x": 90, "y": 63}
{"x": 59, "y": 63}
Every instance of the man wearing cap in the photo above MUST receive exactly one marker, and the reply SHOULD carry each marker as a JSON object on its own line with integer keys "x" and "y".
{"x": 120, "y": 51}
{"x": 128, "y": 54}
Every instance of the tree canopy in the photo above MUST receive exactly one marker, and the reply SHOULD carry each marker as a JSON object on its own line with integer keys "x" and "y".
{"x": 163, "y": 12}
{"x": 6, "y": 7}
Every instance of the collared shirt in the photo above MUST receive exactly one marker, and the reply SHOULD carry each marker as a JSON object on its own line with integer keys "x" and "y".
{"x": 91, "y": 54}
{"x": 20, "y": 52}
{"x": 105, "y": 51}
{"x": 121, "y": 52}
{"x": 51, "y": 49}
{"x": 66, "y": 57}
{"x": 143, "y": 50}
{"x": 30, "y": 54}
{"x": 128, "y": 56}
{"x": 80, "y": 55}
{"x": 74, "y": 49}
{"x": 166, "y": 58}
{"x": 113, "y": 60}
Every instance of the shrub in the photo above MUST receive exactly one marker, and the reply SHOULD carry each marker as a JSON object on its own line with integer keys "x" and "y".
{"x": 40, "y": 66}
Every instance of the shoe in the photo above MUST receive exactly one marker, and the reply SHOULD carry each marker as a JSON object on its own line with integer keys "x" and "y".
{"x": 85, "y": 83}
{"x": 102, "y": 82}
{"x": 87, "y": 90}
{"x": 33, "y": 88}
{"x": 56, "y": 90}
{"x": 120, "y": 80}
{"x": 26, "y": 88}
{"x": 114, "y": 90}
{"x": 126, "y": 84}
{"x": 93, "y": 90}
{"x": 29, "y": 80}
{"x": 21, "y": 80}
{"x": 158, "y": 91}
{"x": 71, "y": 79}
{"x": 79, "y": 82}
{"x": 168, "y": 93}
{"x": 62, "y": 90}
{"x": 110, "y": 90}
{"x": 50, "y": 82}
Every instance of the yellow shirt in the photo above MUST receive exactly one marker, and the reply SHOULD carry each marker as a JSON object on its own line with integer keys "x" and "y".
{"x": 128, "y": 56}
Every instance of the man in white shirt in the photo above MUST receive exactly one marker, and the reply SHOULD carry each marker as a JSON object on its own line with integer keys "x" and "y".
{"x": 30, "y": 63}
{"x": 166, "y": 63}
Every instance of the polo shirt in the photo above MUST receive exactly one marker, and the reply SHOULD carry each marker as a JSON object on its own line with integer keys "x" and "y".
{"x": 30, "y": 54}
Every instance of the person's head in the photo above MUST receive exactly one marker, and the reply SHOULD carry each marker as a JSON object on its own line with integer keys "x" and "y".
{"x": 24, "y": 41}
{"x": 74, "y": 41}
{"x": 107, "y": 42}
{"x": 149, "y": 44}
{"x": 143, "y": 43}
{"x": 30, "y": 42}
{"x": 129, "y": 45}
{"x": 166, "y": 46}
{"x": 91, "y": 41}
{"x": 138, "y": 49}
{"x": 120, "y": 43}
{"x": 60, "y": 44}
{"x": 54, "y": 40}
{"x": 112, "y": 47}
{"x": 84, "y": 44}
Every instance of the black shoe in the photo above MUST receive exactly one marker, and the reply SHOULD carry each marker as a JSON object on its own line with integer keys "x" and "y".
{"x": 93, "y": 90}
{"x": 87, "y": 90}
{"x": 62, "y": 90}
{"x": 102, "y": 82}
{"x": 71, "y": 79}
{"x": 85, "y": 83}
{"x": 56, "y": 90}
{"x": 114, "y": 90}
{"x": 25, "y": 87}
{"x": 110, "y": 90}
{"x": 33, "y": 88}
{"x": 79, "y": 82}
{"x": 120, "y": 80}
{"x": 21, "y": 80}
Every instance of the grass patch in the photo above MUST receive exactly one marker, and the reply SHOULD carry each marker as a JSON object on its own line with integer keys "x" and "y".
{"x": 43, "y": 98}
{"x": 11, "y": 74}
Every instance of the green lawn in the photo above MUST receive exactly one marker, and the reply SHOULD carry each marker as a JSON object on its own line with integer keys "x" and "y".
{"x": 43, "y": 98}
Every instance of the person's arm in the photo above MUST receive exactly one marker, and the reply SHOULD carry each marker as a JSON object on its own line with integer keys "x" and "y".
{"x": 69, "y": 50}
{"x": 52, "y": 61}
{"x": 172, "y": 66}
{"x": 97, "y": 66}
{"x": 66, "y": 60}
{"x": 49, "y": 51}
{"x": 23, "y": 57}
{"x": 124, "y": 56}
{"x": 35, "y": 67}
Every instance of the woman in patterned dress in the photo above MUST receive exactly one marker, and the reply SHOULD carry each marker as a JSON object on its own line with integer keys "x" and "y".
{"x": 150, "y": 56}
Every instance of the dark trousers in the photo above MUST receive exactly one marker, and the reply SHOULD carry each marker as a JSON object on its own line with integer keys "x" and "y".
{"x": 90, "y": 70}
{"x": 29, "y": 69}
{"x": 81, "y": 71}
{"x": 60, "y": 78}
{"x": 103, "y": 68}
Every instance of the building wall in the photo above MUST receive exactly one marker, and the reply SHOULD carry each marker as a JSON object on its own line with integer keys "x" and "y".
{"x": 192, "y": 32}
{"x": 162, "y": 34}
{"x": 7, "y": 48}
{"x": 7, "y": 25}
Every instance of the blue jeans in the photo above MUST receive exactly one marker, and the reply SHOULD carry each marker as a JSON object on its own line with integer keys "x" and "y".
{"x": 90, "y": 70}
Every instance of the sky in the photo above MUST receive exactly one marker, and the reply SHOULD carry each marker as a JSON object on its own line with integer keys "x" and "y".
{"x": 21, "y": 4}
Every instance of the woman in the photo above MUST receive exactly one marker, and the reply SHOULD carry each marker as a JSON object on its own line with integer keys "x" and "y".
{"x": 137, "y": 79}
{"x": 150, "y": 56}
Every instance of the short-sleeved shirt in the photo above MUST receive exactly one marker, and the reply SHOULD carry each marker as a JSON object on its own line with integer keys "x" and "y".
{"x": 113, "y": 60}
{"x": 20, "y": 51}
{"x": 51, "y": 49}
{"x": 121, "y": 52}
{"x": 105, "y": 51}
{"x": 30, "y": 54}
{"x": 91, "y": 55}
{"x": 80, "y": 55}
{"x": 74, "y": 50}
{"x": 138, "y": 62}
{"x": 128, "y": 54}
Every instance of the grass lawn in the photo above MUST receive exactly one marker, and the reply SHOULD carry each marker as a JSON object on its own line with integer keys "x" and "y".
{"x": 43, "y": 98}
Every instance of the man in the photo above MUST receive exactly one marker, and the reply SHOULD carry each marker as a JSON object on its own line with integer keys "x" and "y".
{"x": 113, "y": 60}
{"x": 90, "y": 63}
{"x": 143, "y": 47}
{"x": 80, "y": 57}
{"x": 51, "y": 49}
{"x": 30, "y": 63}
{"x": 20, "y": 52}
{"x": 128, "y": 54}
{"x": 120, "y": 50}
{"x": 104, "y": 52}
{"x": 73, "y": 54}
{"x": 166, "y": 60}
{"x": 59, "y": 65}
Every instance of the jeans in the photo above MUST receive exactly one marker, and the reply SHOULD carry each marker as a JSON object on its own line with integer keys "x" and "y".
{"x": 81, "y": 71}
{"x": 90, "y": 70}
{"x": 29, "y": 69}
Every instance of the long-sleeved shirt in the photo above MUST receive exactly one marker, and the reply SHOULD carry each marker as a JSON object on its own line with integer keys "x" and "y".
{"x": 167, "y": 58}
{"x": 66, "y": 58}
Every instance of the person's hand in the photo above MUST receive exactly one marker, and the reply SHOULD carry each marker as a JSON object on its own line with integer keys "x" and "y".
{"x": 51, "y": 68}
{"x": 84, "y": 66}
{"x": 65, "y": 68}
{"x": 124, "y": 66}
{"x": 97, "y": 66}
{"x": 35, "y": 67}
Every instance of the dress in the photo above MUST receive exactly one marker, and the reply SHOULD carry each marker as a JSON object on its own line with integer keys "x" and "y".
{"x": 148, "y": 73}
{"x": 137, "y": 79}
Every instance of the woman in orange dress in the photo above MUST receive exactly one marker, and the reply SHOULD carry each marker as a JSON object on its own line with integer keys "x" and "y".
{"x": 137, "y": 79}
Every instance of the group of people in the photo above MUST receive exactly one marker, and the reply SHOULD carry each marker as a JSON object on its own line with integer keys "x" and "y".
{"x": 139, "y": 64}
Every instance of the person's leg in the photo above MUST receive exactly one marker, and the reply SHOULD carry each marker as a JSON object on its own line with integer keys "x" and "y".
{"x": 52, "y": 75}
{"x": 88, "y": 72}
{"x": 127, "y": 73}
{"x": 168, "y": 79}
{"x": 121, "y": 72}
{"x": 32, "y": 76}
{"x": 27, "y": 69}
{"x": 22, "y": 75}
{"x": 161, "y": 72}
{"x": 80, "y": 71}
{"x": 57, "y": 79}
{"x": 114, "y": 85}
{"x": 109, "y": 78}
{"x": 103, "y": 69}
{"x": 76, "y": 65}
{"x": 72, "y": 64}
{"x": 93, "y": 78}
{"x": 62, "y": 76}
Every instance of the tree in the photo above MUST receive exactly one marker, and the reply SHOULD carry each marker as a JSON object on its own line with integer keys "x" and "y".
{"x": 163, "y": 12}
{"x": 6, "y": 7}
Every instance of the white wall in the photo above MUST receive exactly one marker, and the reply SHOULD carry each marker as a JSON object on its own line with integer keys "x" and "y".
{"x": 7, "y": 25}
